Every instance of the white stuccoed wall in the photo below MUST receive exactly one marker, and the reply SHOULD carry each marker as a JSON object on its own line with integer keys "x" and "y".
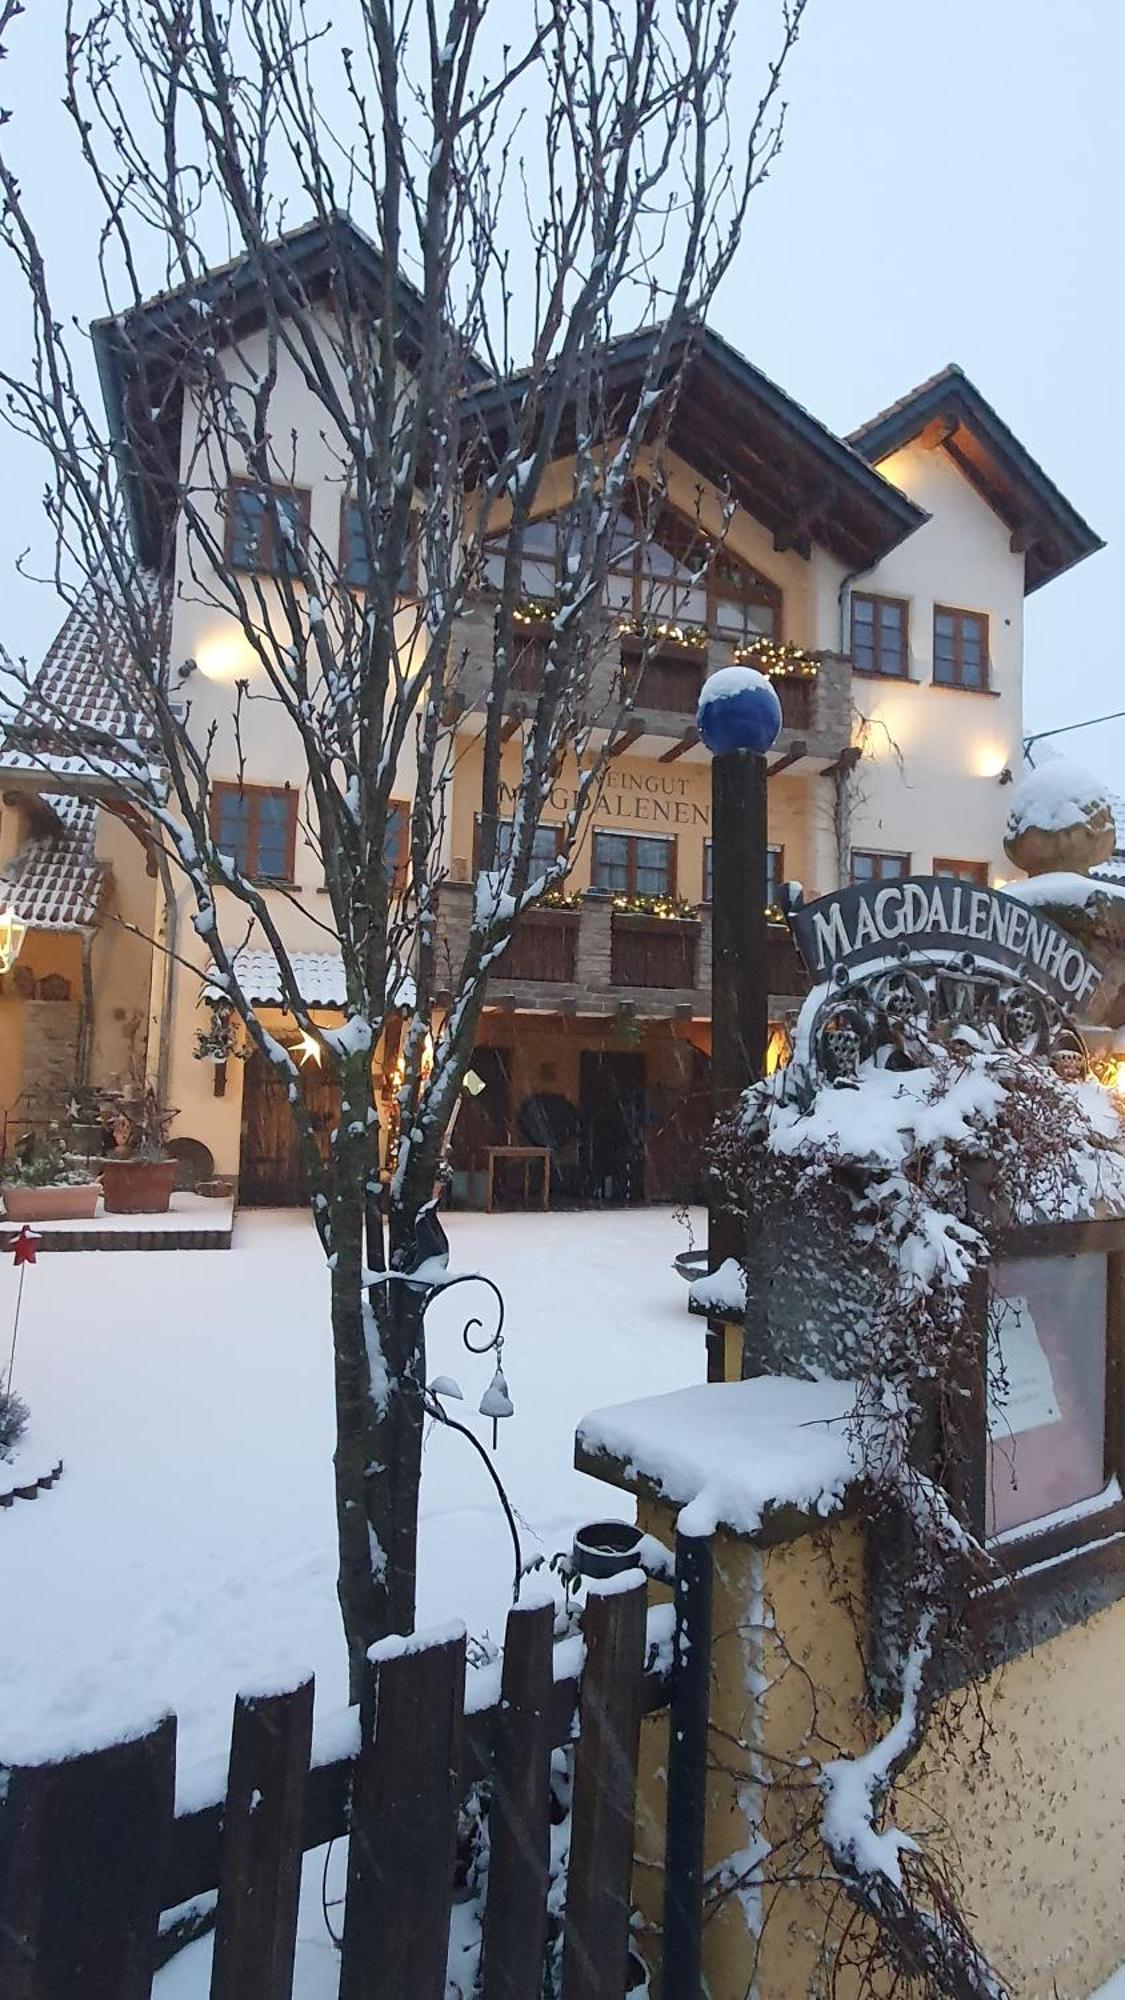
{"x": 946, "y": 800}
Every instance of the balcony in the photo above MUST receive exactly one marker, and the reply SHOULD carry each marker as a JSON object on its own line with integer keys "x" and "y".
{"x": 593, "y": 959}
{"x": 652, "y": 952}
{"x": 544, "y": 947}
{"x": 815, "y": 708}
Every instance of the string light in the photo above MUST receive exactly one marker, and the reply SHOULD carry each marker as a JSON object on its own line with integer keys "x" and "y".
{"x": 535, "y": 611}
{"x": 665, "y": 907}
{"x": 780, "y": 658}
{"x": 695, "y": 636}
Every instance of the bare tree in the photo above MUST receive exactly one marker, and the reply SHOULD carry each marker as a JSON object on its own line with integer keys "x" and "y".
{"x": 516, "y": 204}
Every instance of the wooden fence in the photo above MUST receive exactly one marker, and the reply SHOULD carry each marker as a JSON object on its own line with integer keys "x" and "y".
{"x": 91, "y": 1851}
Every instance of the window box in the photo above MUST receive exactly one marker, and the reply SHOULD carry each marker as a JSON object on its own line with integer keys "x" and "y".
{"x": 544, "y": 946}
{"x": 653, "y": 951}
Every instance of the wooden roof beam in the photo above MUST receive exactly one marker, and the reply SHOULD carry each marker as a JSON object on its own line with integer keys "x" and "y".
{"x": 793, "y": 755}
{"x": 687, "y": 741}
{"x": 626, "y": 739}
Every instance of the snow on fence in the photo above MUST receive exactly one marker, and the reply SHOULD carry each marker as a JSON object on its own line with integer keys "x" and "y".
{"x": 91, "y": 1851}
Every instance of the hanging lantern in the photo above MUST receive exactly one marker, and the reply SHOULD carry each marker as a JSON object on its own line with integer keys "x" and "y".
{"x": 496, "y": 1402}
{"x": 12, "y": 933}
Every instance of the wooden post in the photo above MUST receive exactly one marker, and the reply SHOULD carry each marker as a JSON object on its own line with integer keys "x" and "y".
{"x": 404, "y": 1821}
{"x": 687, "y": 1767}
{"x": 83, "y": 1846}
{"x": 596, "y": 1928}
{"x": 519, "y": 1822}
{"x": 739, "y": 970}
{"x": 256, "y": 1927}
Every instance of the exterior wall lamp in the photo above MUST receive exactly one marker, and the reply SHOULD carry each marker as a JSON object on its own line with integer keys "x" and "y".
{"x": 13, "y": 931}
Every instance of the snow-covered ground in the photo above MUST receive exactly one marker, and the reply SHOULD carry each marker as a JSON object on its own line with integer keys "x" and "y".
{"x": 188, "y": 1548}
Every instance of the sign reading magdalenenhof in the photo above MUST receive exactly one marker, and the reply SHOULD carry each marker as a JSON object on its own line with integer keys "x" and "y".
{"x": 936, "y": 915}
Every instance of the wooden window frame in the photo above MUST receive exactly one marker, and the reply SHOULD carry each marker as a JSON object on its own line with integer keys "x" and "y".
{"x": 978, "y": 871}
{"x": 267, "y": 564}
{"x": 878, "y": 671}
{"x": 983, "y": 686}
{"x": 757, "y": 588}
{"x": 227, "y": 788}
{"x": 878, "y": 854}
{"x": 408, "y": 590}
{"x": 544, "y": 826}
{"x": 772, "y": 847}
{"x": 1050, "y": 1571}
{"x": 668, "y": 840}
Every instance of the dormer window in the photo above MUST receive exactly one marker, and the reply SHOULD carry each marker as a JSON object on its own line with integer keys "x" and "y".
{"x": 266, "y": 527}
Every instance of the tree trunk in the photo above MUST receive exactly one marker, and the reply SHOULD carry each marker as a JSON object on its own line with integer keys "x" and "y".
{"x": 379, "y": 1348}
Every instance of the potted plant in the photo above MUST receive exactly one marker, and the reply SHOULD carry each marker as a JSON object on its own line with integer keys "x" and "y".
{"x": 139, "y": 1175}
{"x": 40, "y": 1184}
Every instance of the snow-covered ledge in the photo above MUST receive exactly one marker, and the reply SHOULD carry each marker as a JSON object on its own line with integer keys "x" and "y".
{"x": 767, "y": 1458}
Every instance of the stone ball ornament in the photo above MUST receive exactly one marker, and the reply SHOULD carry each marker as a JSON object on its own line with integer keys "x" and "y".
{"x": 738, "y": 710}
{"x": 1061, "y": 821}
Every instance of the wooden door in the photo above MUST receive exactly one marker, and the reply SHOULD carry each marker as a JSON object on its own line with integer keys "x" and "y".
{"x": 612, "y": 1108}
{"x": 271, "y": 1173}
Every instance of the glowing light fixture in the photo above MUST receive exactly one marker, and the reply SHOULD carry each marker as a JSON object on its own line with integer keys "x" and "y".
{"x": 990, "y": 760}
{"x": 12, "y": 934}
{"x": 308, "y": 1049}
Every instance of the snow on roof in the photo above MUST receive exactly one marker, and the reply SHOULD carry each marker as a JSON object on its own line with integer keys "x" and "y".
{"x": 56, "y": 881}
{"x": 85, "y": 680}
{"x": 1054, "y": 796}
{"x": 319, "y": 975}
{"x": 726, "y": 1452}
{"x": 1061, "y": 890}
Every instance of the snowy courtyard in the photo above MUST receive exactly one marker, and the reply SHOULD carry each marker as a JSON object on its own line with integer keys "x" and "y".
{"x": 189, "y": 1548}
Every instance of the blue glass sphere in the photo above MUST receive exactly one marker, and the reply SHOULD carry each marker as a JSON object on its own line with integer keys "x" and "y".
{"x": 739, "y": 710}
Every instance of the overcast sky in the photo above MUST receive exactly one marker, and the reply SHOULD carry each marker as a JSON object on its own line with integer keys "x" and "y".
{"x": 951, "y": 189}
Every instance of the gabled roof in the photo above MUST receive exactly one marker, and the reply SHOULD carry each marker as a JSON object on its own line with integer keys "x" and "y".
{"x": 951, "y": 413}
{"x": 141, "y": 354}
{"x": 737, "y": 428}
{"x": 84, "y": 681}
{"x": 56, "y": 882}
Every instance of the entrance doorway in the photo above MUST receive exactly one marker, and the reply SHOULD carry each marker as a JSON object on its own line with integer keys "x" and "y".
{"x": 271, "y": 1175}
{"x": 612, "y": 1104}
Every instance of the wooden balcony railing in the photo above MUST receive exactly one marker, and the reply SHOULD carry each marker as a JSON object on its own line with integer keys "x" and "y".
{"x": 544, "y": 946}
{"x": 653, "y": 951}
{"x": 667, "y": 682}
{"x": 786, "y": 972}
{"x": 795, "y": 693}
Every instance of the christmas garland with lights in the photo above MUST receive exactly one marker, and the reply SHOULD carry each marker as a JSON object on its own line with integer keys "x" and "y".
{"x": 782, "y": 659}
{"x": 696, "y": 637}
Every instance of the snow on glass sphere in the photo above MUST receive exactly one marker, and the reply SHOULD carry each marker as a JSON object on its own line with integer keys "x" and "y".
{"x": 739, "y": 710}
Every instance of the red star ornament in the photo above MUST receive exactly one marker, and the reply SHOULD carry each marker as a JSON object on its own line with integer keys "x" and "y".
{"x": 23, "y": 1249}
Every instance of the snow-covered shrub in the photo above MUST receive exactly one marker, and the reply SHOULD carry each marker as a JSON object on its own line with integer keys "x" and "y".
{"x": 14, "y": 1416}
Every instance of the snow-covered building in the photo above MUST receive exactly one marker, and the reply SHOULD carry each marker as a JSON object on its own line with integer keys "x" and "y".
{"x": 879, "y": 577}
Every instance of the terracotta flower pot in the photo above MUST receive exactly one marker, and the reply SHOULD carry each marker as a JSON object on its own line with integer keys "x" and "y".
{"x": 51, "y": 1204}
{"x": 137, "y": 1187}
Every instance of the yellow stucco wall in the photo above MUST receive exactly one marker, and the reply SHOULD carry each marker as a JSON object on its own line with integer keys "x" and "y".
{"x": 642, "y": 796}
{"x": 1019, "y": 1790}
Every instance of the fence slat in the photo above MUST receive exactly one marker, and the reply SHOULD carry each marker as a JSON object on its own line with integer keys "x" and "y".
{"x": 404, "y": 1823}
{"x": 687, "y": 1766}
{"x": 596, "y": 1926}
{"x": 519, "y": 1820}
{"x": 256, "y": 1926}
{"x": 83, "y": 1846}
